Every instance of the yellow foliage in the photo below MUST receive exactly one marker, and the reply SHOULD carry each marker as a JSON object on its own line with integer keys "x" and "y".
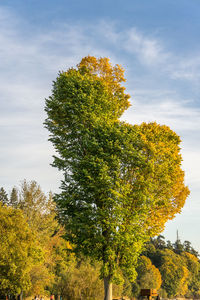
{"x": 184, "y": 281}
{"x": 191, "y": 257}
{"x": 110, "y": 76}
{"x": 18, "y": 251}
{"x": 103, "y": 68}
{"x": 149, "y": 276}
{"x": 165, "y": 176}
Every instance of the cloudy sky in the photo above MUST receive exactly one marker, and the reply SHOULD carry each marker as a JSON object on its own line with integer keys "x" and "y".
{"x": 158, "y": 44}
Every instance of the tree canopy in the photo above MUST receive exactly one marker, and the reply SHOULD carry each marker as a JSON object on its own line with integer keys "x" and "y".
{"x": 3, "y": 196}
{"x": 121, "y": 182}
{"x": 18, "y": 251}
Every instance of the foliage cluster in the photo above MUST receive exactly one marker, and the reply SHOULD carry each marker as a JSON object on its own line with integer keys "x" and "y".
{"x": 34, "y": 256}
{"x": 177, "y": 266}
{"x": 35, "y": 259}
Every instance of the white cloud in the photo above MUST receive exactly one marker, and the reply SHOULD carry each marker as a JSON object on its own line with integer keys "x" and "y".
{"x": 191, "y": 166}
{"x": 149, "y": 106}
{"x": 187, "y": 68}
{"x": 152, "y": 51}
{"x": 149, "y": 50}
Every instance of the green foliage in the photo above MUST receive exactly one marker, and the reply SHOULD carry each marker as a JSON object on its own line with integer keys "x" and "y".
{"x": 174, "y": 273}
{"x": 178, "y": 267}
{"x": 121, "y": 182}
{"x": 80, "y": 281}
{"x": 3, "y": 196}
{"x": 40, "y": 213}
{"x": 193, "y": 265}
{"x": 160, "y": 243}
{"x": 18, "y": 251}
{"x": 39, "y": 210}
{"x": 14, "y": 198}
{"x": 148, "y": 275}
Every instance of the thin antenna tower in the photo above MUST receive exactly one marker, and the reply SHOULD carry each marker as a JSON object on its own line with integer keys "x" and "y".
{"x": 177, "y": 236}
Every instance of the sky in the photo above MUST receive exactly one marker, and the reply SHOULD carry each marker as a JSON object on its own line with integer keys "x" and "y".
{"x": 158, "y": 44}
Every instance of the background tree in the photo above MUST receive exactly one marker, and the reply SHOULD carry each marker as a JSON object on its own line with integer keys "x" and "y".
{"x": 80, "y": 281}
{"x": 148, "y": 277}
{"x": 179, "y": 269}
{"x": 18, "y": 252}
{"x": 178, "y": 247}
{"x": 3, "y": 196}
{"x": 38, "y": 208}
{"x": 40, "y": 214}
{"x": 121, "y": 182}
{"x": 14, "y": 198}
{"x": 169, "y": 245}
{"x": 188, "y": 248}
{"x": 174, "y": 273}
{"x": 193, "y": 266}
{"x": 159, "y": 242}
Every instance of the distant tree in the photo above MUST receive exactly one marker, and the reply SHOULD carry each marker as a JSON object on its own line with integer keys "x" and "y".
{"x": 193, "y": 266}
{"x": 121, "y": 182}
{"x": 194, "y": 252}
{"x": 14, "y": 198}
{"x": 80, "y": 282}
{"x": 179, "y": 266}
{"x": 3, "y": 196}
{"x": 174, "y": 273}
{"x": 178, "y": 246}
{"x": 188, "y": 248}
{"x": 169, "y": 245}
{"x": 149, "y": 249}
{"x": 39, "y": 211}
{"x": 149, "y": 276}
{"x": 18, "y": 252}
{"x": 159, "y": 242}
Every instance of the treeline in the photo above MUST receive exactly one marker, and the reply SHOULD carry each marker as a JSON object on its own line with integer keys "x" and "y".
{"x": 174, "y": 269}
{"x": 34, "y": 256}
{"x": 36, "y": 259}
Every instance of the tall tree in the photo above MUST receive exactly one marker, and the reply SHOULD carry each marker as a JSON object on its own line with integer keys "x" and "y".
{"x": 121, "y": 182}
{"x": 40, "y": 213}
{"x": 3, "y": 196}
{"x": 14, "y": 198}
{"x": 39, "y": 210}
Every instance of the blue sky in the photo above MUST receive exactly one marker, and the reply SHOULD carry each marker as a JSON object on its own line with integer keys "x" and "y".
{"x": 157, "y": 42}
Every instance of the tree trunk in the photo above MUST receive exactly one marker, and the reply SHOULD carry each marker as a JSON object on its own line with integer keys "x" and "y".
{"x": 107, "y": 289}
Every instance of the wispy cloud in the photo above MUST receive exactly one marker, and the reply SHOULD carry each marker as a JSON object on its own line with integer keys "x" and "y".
{"x": 149, "y": 106}
{"x": 187, "y": 68}
{"x": 152, "y": 51}
{"x": 149, "y": 50}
